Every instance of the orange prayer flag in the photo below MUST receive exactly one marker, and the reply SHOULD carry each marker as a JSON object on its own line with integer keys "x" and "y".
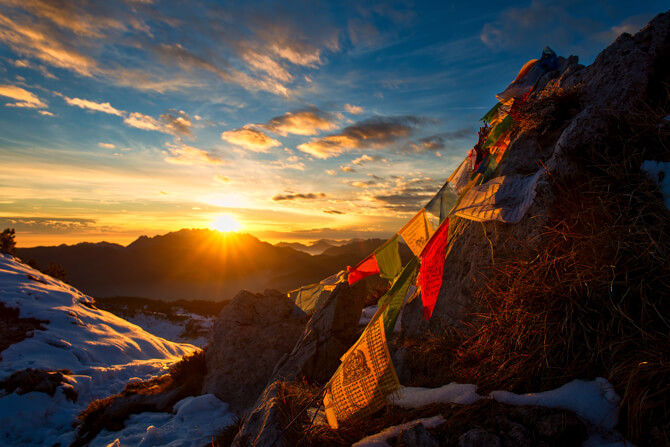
{"x": 432, "y": 267}
{"x": 366, "y": 267}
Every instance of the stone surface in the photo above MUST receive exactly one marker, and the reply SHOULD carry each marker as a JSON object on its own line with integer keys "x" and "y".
{"x": 252, "y": 333}
{"x": 330, "y": 332}
{"x": 417, "y": 436}
{"x": 562, "y": 429}
{"x": 478, "y": 438}
{"x": 623, "y": 75}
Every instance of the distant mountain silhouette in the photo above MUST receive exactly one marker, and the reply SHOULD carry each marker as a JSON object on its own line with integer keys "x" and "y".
{"x": 315, "y": 248}
{"x": 196, "y": 264}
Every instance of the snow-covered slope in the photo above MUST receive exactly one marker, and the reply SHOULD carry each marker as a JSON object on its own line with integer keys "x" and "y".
{"x": 103, "y": 352}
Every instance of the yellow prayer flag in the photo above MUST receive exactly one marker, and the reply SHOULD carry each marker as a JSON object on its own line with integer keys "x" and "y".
{"x": 366, "y": 376}
{"x": 417, "y": 232}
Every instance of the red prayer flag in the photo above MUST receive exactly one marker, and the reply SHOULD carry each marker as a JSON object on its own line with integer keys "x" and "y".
{"x": 432, "y": 267}
{"x": 366, "y": 267}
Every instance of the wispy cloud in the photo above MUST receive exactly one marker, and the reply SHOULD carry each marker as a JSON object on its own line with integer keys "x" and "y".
{"x": 23, "y": 97}
{"x": 177, "y": 122}
{"x": 104, "y": 107}
{"x": 310, "y": 121}
{"x": 354, "y": 110}
{"x": 309, "y": 196}
{"x": 142, "y": 121}
{"x": 189, "y": 155}
{"x": 366, "y": 159}
{"x": 333, "y": 212}
{"x": 106, "y": 145}
{"x": 250, "y": 138}
{"x": 371, "y": 133}
{"x": 347, "y": 169}
{"x": 219, "y": 178}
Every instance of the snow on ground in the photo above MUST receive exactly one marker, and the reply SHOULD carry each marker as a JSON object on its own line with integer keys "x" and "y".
{"x": 104, "y": 352}
{"x": 196, "y": 420}
{"x": 659, "y": 172}
{"x": 381, "y": 438}
{"x": 595, "y": 402}
{"x": 173, "y": 330}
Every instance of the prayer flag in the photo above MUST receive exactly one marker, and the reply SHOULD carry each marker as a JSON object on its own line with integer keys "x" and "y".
{"x": 393, "y": 300}
{"x": 491, "y": 114}
{"x": 432, "y": 266}
{"x": 498, "y": 131}
{"x": 416, "y": 232}
{"x": 505, "y": 198}
{"x": 365, "y": 268}
{"x": 388, "y": 258}
{"x": 366, "y": 376}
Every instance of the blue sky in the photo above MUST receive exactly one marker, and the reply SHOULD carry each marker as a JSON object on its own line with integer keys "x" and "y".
{"x": 297, "y": 120}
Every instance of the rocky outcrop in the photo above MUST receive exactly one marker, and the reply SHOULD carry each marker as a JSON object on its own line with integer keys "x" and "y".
{"x": 250, "y": 336}
{"x": 330, "y": 332}
{"x": 328, "y": 335}
{"x": 626, "y": 73}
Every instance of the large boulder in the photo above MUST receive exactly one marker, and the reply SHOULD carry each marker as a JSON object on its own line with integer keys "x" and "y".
{"x": 624, "y": 75}
{"x": 330, "y": 332}
{"x": 252, "y": 333}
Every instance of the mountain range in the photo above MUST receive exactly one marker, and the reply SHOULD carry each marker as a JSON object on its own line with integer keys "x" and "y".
{"x": 198, "y": 264}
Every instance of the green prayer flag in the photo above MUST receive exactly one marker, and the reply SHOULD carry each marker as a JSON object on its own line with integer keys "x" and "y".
{"x": 392, "y": 301}
{"x": 388, "y": 258}
{"x": 491, "y": 113}
{"x": 498, "y": 130}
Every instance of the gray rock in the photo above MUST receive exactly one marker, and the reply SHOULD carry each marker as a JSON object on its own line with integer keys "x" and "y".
{"x": 562, "y": 429}
{"x": 478, "y": 438}
{"x": 620, "y": 77}
{"x": 330, "y": 332}
{"x": 417, "y": 436}
{"x": 252, "y": 333}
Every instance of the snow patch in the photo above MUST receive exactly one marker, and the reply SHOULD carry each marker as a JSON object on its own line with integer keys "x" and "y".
{"x": 659, "y": 172}
{"x": 196, "y": 420}
{"x": 381, "y": 438}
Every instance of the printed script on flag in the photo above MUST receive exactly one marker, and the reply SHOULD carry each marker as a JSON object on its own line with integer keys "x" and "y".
{"x": 417, "y": 232}
{"x": 366, "y": 376}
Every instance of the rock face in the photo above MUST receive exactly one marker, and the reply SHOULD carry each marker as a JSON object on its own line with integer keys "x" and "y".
{"x": 329, "y": 333}
{"x": 252, "y": 333}
{"x": 627, "y": 72}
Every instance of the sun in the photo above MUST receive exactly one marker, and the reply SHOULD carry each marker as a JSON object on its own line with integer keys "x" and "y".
{"x": 225, "y": 223}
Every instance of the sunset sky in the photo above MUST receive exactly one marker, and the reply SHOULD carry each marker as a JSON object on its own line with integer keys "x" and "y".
{"x": 292, "y": 120}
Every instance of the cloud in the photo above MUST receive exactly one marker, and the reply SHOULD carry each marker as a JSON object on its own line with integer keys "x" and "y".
{"x": 310, "y": 196}
{"x": 41, "y": 40}
{"x": 366, "y": 159}
{"x": 46, "y": 224}
{"x": 221, "y": 179}
{"x": 45, "y": 113}
{"x": 408, "y": 195}
{"x": 107, "y": 145}
{"x": 333, "y": 212}
{"x": 347, "y": 169}
{"x": 104, "y": 107}
{"x": 250, "y": 138}
{"x": 331, "y": 172}
{"x": 371, "y": 133}
{"x": 308, "y": 121}
{"x": 144, "y": 122}
{"x": 443, "y": 140}
{"x": 365, "y": 184}
{"x": 23, "y": 97}
{"x": 177, "y": 122}
{"x": 189, "y": 155}
{"x": 354, "y": 110}
{"x": 186, "y": 60}
{"x": 281, "y": 165}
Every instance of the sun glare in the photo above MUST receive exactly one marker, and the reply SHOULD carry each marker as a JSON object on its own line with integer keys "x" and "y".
{"x": 225, "y": 222}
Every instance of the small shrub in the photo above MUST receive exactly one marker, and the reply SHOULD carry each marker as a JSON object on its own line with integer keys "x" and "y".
{"x": 7, "y": 242}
